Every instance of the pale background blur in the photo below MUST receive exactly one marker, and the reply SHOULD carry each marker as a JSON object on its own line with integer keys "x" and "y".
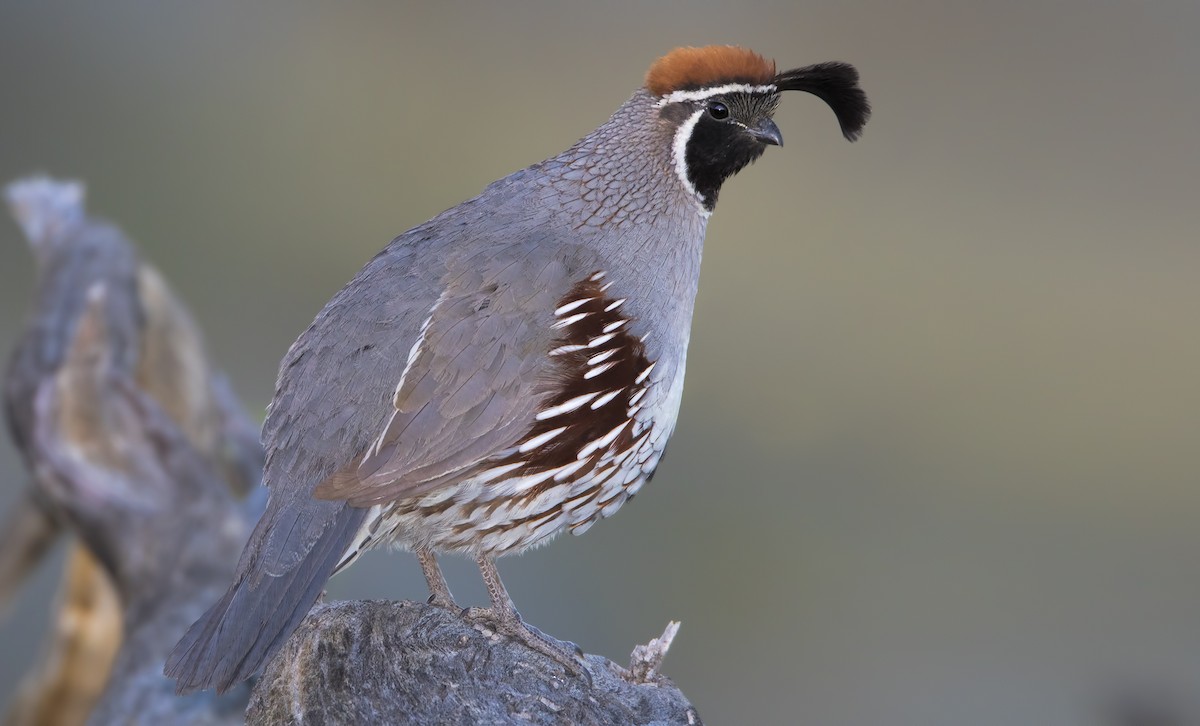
{"x": 937, "y": 463}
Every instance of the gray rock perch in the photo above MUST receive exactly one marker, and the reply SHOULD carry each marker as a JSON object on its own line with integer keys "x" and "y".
{"x": 374, "y": 662}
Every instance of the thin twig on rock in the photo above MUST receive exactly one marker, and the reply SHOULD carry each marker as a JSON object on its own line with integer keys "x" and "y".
{"x": 645, "y": 660}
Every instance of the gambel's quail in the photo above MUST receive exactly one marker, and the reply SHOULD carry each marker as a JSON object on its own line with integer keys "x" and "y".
{"x": 508, "y": 370}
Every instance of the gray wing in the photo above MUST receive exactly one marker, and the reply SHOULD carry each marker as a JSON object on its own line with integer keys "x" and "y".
{"x": 468, "y": 336}
{"x": 472, "y": 382}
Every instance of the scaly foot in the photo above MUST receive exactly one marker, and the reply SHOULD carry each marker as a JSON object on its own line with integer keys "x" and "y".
{"x": 505, "y": 619}
{"x": 508, "y": 622}
{"x": 439, "y": 591}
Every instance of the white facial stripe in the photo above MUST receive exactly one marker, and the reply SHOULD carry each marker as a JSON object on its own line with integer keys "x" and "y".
{"x": 679, "y": 149}
{"x": 702, "y": 93}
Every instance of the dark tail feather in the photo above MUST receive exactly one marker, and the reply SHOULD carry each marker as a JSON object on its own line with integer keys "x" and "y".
{"x": 238, "y": 634}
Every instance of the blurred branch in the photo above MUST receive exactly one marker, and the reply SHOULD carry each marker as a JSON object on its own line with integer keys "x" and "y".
{"x": 405, "y": 662}
{"x": 83, "y": 645}
{"x": 155, "y": 511}
{"x": 137, "y": 445}
{"x": 29, "y": 533}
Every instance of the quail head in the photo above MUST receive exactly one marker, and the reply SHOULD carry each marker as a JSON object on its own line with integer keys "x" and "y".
{"x": 508, "y": 370}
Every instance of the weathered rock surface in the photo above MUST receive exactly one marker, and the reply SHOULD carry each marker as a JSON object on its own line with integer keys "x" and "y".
{"x": 373, "y": 662}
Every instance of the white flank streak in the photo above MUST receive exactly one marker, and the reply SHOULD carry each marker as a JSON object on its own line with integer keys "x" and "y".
{"x": 525, "y": 483}
{"x": 609, "y": 508}
{"x": 430, "y": 500}
{"x": 363, "y": 537}
{"x": 598, "y": 276}
{"x": 614, "y": 305}
{"x": 598, "y": 370}
{"x": 579, "y": 493}
{"x": 579, "y": 487}
{"x": 600, "y": 340}
{"x": 614, "y": 325}
{"x": 605, "y": 286}
{"x": 703, "y": 93}
{"x": 606, "y": 398}
{"x": 566, "y": 406}
{"x": 637, "y": 396}
{"x": 564, "y": 309}
{"x": 564, "y": 349}
{"x": 378, "y": 445}
{"x": 679, "y": 149}
{"x": 413, "y": 353}
{"x": 496, "y": 472}
{"x": 619, "y": 459}
{"x": 612, "y": 435}
{"x": 348, "y": 558}
{"x": 570, "y": 321}
{"x": 601, "y": 357}
{"x": 603, "y": 441}
{"x": 415, "y": 350}
{"x": 540, "y": 439}
{"x": 569, "y": 469}
{"x": 642, "y": 376}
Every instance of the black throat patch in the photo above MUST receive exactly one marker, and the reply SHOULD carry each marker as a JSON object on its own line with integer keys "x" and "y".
{"x": 716, "y": 151}
{"x": 720, "y": 145}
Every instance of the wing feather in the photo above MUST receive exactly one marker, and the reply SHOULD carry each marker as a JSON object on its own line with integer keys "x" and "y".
{"x": 471, "y": 389}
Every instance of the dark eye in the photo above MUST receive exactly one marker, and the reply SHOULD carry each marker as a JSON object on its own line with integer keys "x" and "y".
{"x": 718, "y": 110}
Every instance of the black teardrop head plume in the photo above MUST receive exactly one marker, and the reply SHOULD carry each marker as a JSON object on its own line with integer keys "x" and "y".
{"x": 837, "y": 85}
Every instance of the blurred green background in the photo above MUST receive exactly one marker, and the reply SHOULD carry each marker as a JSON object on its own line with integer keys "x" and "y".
{"x": 937, "y": 462}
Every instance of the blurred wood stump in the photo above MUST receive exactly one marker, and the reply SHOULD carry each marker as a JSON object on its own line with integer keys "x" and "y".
{"x": 79, "y": 651}
{"x": 120, "y": 417}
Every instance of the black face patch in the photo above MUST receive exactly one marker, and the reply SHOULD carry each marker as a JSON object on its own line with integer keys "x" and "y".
{"x": 720, "y": 146}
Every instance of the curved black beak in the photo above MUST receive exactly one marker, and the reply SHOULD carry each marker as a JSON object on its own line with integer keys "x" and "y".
{"x": 766, "y": 131}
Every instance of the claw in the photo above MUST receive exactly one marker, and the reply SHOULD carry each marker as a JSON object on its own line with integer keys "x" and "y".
{"x": 503, "y": 614}
{"x": 568, "y": 655}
